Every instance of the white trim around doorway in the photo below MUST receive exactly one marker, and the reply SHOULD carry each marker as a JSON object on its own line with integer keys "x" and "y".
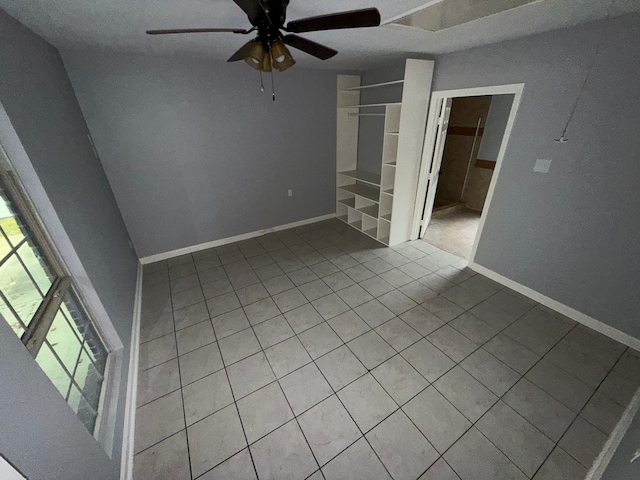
{"x": 430, "y": 137}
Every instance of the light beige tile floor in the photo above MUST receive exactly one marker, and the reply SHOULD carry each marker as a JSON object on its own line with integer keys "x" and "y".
{"x": 453, "y": 230}
{"x": 317, "y": 353}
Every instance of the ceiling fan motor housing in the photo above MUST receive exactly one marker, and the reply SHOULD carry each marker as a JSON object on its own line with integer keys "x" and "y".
{"x": 270, "y": 20}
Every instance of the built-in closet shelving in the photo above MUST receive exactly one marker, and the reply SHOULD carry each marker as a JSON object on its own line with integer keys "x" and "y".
{"x": 381, "y": 205}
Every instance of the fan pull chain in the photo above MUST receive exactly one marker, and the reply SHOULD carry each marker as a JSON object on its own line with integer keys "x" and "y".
{"x": 261, "y": 83}
{"x": 273, "y": 88}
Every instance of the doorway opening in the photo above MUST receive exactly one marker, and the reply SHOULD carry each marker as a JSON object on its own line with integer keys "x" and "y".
{"x": 467, "y": 132}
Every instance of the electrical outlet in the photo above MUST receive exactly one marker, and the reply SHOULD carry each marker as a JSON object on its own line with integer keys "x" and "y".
{"x": 542, "y": 166}
{"x": 290, "y": 193}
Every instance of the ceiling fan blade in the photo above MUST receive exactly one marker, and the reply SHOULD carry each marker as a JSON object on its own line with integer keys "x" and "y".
{"x": 307, "y": 46}
{"x": 253, "y": 8}
{"x": 369, "y": 17}
{"x": 198, "y": 30}
{"x": 242, "y": 53}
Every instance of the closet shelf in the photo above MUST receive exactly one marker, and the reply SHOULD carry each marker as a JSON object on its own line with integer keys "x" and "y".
{"x": 372, "y": 105}
{"x": 349, "y": 202}
{"x": 371, "y": 211}
{"x": 363, "y": 176}
{"x": 373, "y": 85}
{"x": 362, "y": 191}
{"x": 365, "y": 200}
{"x": 372, "y": 232}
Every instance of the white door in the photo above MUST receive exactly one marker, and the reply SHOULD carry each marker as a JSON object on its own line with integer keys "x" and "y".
{"x": 444, "y": 108}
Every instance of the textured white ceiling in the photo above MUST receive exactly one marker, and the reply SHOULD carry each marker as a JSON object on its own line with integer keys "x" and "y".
{"x": 120, "y": 25}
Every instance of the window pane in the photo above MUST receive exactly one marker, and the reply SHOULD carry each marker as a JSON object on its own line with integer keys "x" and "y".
{"x": 19, "y": 290}
{"x": 5, "y": 247}
{"x": 36, "y": 265}
{"x": 64, "y": 341}
{"x": 10, "y": 318}
{"x": 76, "y": 342}
{"x": 82, "y": 408}
{"x": 9, "y": 221}
{"x": 75, "y": 313}
{"x": 96, "y": 349}
{"x": 88, "y": 380}
{"x": 52, "y": 367}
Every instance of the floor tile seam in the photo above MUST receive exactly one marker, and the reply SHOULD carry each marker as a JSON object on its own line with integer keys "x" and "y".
{"x": 237, "y": 410}
{"x": 162, "y": 363}
{"x": 194, "y": 324}
{"x": 579, "y": 415}
{"x": 148, "y": 448}
{"x": 568, "y": 345}
{"x": 441, "y": 351}
{"x": 610, "y": 369}
{"x": 184, "y": 412}
{"x": 474, "y": 425}
{"x": 292, "y": 413}
{"x": 156, "y": 338}
{"x": 363, "y": 434}
{"x": 160, "y": 397}
{"x": 467, "y": 336}
{"x": 501, "y": 398}
{"x": 365, "y": 367}
{"x": 480, "y": 345}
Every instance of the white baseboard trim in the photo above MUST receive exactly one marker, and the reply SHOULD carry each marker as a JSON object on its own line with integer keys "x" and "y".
{"x": 224, "y": 241}
{"x": 128, "y": 434}
{"x": 602, "y": 462}
{"x": 572, "y": 313}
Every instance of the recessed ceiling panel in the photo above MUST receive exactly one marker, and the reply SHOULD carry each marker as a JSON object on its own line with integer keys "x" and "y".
{"x": 449, "y": 13}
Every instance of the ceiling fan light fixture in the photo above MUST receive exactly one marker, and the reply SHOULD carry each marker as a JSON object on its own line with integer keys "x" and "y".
{"x": 266, "y": 64}
{"x": 257, "y": 55}
{"x": 281, "y": 57}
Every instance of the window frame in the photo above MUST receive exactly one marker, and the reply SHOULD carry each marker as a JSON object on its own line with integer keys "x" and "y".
{"x": 35, "y": 333}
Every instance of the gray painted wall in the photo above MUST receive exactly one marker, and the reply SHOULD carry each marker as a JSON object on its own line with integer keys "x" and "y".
{"x": 37, "y": 96}
{"x": 195, "y": 152}
{"x": 495, "y": 126}
{"x": 571, "y": 234}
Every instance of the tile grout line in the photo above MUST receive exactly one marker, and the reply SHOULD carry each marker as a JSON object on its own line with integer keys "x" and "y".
{"x": 184, "y": 413}
{"x": 233, "y": 396}
{"x": 295, "y": 417}
{"x": 556, "y": 444}
{"x": 584, "y": 419}
{"x": 308, "y": 265}
{"x": 344, "y": 343}
{"x": 335, "y": 392}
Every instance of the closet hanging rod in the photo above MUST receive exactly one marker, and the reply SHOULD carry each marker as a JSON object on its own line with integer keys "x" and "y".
{"x": 366, "y": 114}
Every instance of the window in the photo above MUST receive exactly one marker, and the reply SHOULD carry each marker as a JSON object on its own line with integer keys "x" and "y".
{"x": 39, "y": 302}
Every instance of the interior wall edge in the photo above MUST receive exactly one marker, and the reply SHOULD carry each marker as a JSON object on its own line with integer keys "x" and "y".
{"x": 128, "y": 434}
{"x": 559, "y": 307}
{"x": 613, "y": 442}
{"x": 224, "y": 241}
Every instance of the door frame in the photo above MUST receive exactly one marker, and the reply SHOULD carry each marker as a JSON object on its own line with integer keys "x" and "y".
{"x": 428, "y": 161}
{"x": 443, "y": 114}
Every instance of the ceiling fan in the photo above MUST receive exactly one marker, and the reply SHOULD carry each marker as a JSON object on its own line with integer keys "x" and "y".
{"x": 268, "y": 50}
